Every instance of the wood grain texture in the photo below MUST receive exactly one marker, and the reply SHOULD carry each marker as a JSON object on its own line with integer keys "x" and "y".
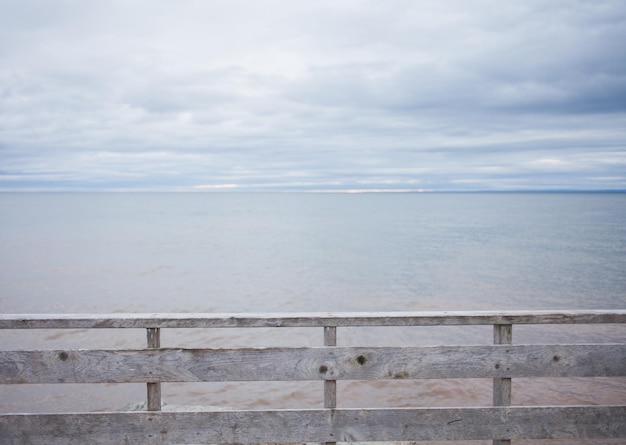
{"x": 330, "y": 386}
{"x": 320, "y": 363}
{"x": 153, "y": 389}
{"x": 199, "y": 320}
{"x": 502, "y": 387}
{"x": 501, "y": 361}
{"x": 341, "y": 425}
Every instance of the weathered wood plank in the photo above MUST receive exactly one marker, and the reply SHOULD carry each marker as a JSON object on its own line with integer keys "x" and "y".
{"x": 198, "y": 320}
{"x": 153, "y": 393}
{"x": 502, "y": 387}
{"x": 341, "y": 425}
{"x": 330, "y": 386}
{"x": 321, "y": 363}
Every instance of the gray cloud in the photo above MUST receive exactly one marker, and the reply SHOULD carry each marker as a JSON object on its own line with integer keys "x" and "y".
{"x": 273, "y": 95}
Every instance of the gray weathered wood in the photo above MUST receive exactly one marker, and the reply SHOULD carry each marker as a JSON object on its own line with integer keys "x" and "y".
{"x": 503, "y": 335}
{"x": 502, "y": 387}
{"x": 341, "y": 425}
{"x": 197, "y": 320}
{"x": 330, "y": 386}
{"x": 154, "y": 365}
{"x": 319, "y": 363}
{"x": 154, "y": 388}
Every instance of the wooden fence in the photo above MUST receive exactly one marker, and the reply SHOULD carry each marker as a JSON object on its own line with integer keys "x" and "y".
{"x": 500, "y": 361}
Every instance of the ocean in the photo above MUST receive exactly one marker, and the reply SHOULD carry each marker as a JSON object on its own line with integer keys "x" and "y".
{"x": 299, "y": 252}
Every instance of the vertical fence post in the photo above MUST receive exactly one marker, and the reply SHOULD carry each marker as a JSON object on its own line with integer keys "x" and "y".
{"x": 330, "y": 386}
{"x": 154, "y": 388}
{"x": 502, "y": 335}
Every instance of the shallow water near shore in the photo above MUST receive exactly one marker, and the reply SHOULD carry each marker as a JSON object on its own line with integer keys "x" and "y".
{"x": 104, "y": 253}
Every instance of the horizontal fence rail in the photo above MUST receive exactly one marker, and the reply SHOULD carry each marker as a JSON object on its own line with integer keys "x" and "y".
{"x": 341, "y": 425}
{"x": 154, "y": 365}
{"x": 345, "y": 319}
{"x": 330, "y": 363}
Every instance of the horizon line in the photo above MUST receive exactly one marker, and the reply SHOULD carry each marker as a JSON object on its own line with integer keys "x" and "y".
{"x": 316, "y": 191}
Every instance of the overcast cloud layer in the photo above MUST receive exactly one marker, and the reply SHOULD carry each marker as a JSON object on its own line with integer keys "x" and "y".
{"x": 312, "y": 95}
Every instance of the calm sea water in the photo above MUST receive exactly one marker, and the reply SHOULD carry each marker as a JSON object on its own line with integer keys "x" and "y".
{"x": 66, "y": 253}
{"x": 301, "y": 252}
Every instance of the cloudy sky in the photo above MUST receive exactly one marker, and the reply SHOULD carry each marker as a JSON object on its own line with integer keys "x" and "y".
{"x": 236, "y": 95}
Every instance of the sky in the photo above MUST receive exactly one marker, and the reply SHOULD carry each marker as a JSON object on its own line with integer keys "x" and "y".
{"x": 289, "y": 95}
